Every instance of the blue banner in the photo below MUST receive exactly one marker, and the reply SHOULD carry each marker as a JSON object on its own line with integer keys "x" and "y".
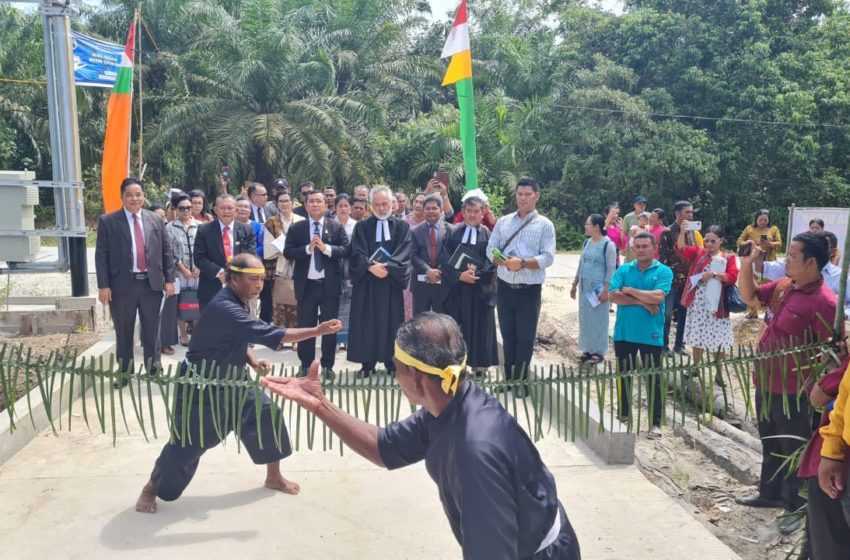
{"x": 96, "y": 62}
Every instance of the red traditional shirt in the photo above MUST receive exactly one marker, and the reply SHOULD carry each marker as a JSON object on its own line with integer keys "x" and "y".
{"x": 796, "y": 315}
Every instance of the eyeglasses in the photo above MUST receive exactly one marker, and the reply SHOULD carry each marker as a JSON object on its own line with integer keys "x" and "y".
{"x": 184, "y": 208}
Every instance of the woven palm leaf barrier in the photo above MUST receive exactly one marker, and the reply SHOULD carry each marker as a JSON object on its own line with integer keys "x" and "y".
{"x": 561, "y": 399}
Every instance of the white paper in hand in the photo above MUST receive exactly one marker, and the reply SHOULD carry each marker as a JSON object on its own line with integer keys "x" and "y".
{"x": 694, "y": 281}
{"x": 280, "y": 242}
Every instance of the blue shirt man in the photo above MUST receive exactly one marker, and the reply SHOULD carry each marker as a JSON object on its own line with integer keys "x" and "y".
{"x": 639, "y": 288}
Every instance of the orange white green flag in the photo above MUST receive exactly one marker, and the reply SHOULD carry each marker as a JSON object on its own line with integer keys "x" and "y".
{"x": 116, "y": 141}
{"x": 459, "y": 73}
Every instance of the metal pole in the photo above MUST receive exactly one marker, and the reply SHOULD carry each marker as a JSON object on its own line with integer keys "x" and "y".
{"x": 64, "y": 134}
{"x": 838, "y": 327}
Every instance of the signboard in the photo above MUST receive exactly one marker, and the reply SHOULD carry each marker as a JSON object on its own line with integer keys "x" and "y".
{"x": 834, "y": 220}
{"x": 95, "y": 62}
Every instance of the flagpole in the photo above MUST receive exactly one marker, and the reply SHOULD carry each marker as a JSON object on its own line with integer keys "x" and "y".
{"x": 466, "y": 104}
{"x": 141, "y": 116}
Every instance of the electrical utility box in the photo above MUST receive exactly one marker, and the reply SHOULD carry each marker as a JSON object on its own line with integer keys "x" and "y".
{"x": 18, "y": 240}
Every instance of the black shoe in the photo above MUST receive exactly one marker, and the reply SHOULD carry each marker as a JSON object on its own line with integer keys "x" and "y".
{"x": 667, "y": 353}
{"x": 328, "y": 374}
{"x": 584, "y": 357}
{"x": 790, "y": 524}
{"x": 120, "y": 383}
{"x": 363, "y": 373}
{"x": 681, "y": 350}
{"x": 759, "y": 502}
{"x": 302, "y": 372}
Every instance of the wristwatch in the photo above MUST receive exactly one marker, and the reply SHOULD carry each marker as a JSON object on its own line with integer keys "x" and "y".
{"x": 523, "y": 263}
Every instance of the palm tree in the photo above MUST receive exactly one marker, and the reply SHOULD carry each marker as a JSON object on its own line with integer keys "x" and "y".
{"x": 283, "y": 86}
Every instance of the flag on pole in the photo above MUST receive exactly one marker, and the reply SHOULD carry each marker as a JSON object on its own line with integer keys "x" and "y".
{"x": 116, "y": 141}
{"x": 459, "y": 73}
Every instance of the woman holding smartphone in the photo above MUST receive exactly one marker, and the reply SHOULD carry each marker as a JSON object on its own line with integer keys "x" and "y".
{"x": 767, "y": 238}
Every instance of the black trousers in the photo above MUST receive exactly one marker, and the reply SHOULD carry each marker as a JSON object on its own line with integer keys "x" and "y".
{"x": 315, "y": 307}
{"x": 141, "y": 300}
{"x": 681, "y": 317}
{"x": 826, "y": 526}
{"x": 519, "y": 310}
{"x": 630, "y": 356}
{"x": 428, "y": 297}
{"x": 775, "y": 483}
{"x": 179, "y": 459}
{"x": 266, "y": 304}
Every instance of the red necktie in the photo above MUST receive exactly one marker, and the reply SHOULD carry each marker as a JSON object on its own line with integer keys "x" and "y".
{"x": 141, "y": 258}
{"x": 225, "y": 238}
{"x": 433, "y": 246}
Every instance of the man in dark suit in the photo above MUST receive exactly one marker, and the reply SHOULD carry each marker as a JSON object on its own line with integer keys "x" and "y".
{"x": 216, "y": 243}
{"x": 317, "y": 245}
{"x": 134, "y": 264}
{"x": 429, "y": 291}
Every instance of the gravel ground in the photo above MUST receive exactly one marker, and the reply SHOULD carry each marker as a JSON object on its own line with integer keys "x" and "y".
{"x": 49, "y": 284}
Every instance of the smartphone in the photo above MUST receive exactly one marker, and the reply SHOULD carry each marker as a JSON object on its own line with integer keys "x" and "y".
{"x": 442, "y": 177}
{"x": 745, "y": 250}
{"x": 764, "y": 238}
{"x": 225, "y": 174}
{"x": 694, "y": 226}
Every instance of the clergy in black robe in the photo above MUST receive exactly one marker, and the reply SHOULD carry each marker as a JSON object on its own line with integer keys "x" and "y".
{"x": 379, "y": 279}
{"x": 471, "y": 301}
{"x": 219, "y": 348}
{"x": 499, "y": 497}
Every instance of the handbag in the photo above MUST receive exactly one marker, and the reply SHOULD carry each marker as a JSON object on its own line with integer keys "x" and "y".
{"x": 283, "y": 291}
{"x": 188, "y": 307}
{"x": 734, "y": 302}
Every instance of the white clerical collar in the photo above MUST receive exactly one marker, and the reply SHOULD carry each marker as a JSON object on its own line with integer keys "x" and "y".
{"x": 470, "y": 236}
{"x": 383, "y": 226}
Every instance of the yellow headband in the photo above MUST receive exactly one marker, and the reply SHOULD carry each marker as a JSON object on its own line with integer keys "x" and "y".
{"x": 449, "y": 375}
{"x": 247, "y": 270}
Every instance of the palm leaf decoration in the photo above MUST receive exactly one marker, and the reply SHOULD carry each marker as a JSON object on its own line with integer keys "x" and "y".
{"x": 561, "y": 399}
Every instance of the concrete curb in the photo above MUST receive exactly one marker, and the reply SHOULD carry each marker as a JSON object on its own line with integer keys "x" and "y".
{"x": 24, "y": 432}
{"x": 608, "y": 438}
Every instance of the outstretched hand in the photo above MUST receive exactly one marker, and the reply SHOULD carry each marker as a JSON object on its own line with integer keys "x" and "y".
{"x": 305, "y": 391}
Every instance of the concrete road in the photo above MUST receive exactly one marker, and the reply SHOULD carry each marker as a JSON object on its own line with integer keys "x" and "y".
{"x": 72, "y": 497}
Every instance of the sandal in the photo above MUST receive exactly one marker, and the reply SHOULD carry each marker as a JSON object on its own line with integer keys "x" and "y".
{"x": 594, "y": 359}
{"x": 654, "y": 433}
{"x": 168, "y": 351}
{"x": 184, "y": 341}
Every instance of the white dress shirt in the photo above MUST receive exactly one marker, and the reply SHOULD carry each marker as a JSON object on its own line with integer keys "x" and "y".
{"x": 312, "y": 273}
{"x": 131, "y": 221}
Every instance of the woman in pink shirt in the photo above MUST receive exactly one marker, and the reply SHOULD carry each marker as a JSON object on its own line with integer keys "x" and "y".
{"x": 657, "y": 227}
{"x": 614, "y": 228}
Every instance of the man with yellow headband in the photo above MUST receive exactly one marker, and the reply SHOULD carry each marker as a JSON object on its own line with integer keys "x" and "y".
{"x": 499, "y": 497}
{"x": 220, "y": 346}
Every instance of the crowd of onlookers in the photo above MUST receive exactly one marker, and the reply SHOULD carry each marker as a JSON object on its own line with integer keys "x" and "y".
{"x": 657, "y": 273}
{"x": 372, "y": 258}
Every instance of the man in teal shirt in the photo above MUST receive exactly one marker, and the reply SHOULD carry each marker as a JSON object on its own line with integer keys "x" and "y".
{"x": 639, "y": 288}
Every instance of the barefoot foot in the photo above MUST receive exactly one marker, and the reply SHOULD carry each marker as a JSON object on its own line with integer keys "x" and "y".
{"x": 147, "y": 499}
{"x": 279, "y": 483}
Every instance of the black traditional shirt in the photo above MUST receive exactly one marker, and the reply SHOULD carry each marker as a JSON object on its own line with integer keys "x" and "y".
{"x": 225, "y": 330}
{"x": 498, "y": 495}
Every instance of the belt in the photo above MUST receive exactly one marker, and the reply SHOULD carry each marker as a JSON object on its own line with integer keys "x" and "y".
{"x": 553, "y": 533}
{"x": 518, "y": 286}
{"x": 316, "y": 281}
{"x": 140, "y": 276}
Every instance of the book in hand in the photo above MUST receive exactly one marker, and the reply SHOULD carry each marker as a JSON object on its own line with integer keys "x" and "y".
{"x": 593, "y": 294}
{"x": 463, "y": 257}
{"x": 380, "y": 255}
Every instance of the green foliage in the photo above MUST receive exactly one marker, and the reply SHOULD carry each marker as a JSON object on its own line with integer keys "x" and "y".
{"x": 595, "y": 106}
